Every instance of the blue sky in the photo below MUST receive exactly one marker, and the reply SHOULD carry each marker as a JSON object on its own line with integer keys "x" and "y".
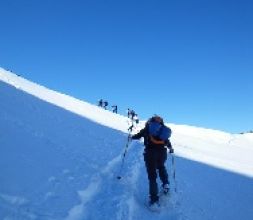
{"x": 190, "y": 61}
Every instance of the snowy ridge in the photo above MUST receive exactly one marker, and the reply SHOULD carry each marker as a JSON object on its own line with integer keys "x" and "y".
{"x": 61, "y": 163}
{"x": 79, "y": 107}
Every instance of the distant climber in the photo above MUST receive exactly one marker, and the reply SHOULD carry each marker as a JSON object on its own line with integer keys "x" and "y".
{"x": 105, "y": 104}
{"x": 100, "y": 103}
{"x": 115, "y": 109}
{"x": 136, "y": 119}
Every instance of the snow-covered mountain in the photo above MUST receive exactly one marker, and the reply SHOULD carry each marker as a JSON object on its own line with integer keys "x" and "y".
{"x": 59, "y": 158}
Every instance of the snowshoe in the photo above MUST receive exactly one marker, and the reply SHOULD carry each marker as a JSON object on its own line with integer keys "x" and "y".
{"x": 166, "y": 189}
{"x": 154, "y": 206}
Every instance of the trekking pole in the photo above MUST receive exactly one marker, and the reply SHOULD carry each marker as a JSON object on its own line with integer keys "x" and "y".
{"x": 174, "y": 171}
{"x": 124, "y": 155}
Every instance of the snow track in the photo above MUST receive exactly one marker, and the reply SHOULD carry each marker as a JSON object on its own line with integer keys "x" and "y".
{"x": 106, "y": 194}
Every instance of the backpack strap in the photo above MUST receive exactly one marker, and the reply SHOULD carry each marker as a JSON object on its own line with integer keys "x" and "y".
{"x": 158, "y": 142}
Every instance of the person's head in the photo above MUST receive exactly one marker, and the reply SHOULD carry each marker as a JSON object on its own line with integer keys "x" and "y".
{"x": 157, "y": 118}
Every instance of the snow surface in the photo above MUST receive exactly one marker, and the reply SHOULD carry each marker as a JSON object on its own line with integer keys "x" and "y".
{"x": 59, "y": 159}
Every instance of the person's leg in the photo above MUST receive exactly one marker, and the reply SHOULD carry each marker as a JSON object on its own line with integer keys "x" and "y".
{"x": 150, "y": 162}
{"x": 162, "y": 168}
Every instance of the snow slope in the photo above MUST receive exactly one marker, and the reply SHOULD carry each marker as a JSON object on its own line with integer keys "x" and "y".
{"x": 59, "y": 158}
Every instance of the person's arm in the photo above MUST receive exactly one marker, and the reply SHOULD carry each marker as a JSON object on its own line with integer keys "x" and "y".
{"x": 169, "y": 146}
{"x": 139, "y": 135}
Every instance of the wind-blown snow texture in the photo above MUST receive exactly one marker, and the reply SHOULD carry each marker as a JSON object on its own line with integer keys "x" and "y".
{"x": 59, "y": 158}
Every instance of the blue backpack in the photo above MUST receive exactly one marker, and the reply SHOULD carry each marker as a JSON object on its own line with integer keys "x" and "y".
{"x": 159, "y": 130}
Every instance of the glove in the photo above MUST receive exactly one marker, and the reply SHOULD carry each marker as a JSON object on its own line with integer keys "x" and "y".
{"x": 171, "y": 151}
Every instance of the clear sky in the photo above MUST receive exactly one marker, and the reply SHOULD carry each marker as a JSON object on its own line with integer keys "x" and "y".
{"x": 189, "y": 61}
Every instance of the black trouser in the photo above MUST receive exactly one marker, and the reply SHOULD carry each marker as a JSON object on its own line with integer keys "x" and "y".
{"x": 154, "y": 160}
